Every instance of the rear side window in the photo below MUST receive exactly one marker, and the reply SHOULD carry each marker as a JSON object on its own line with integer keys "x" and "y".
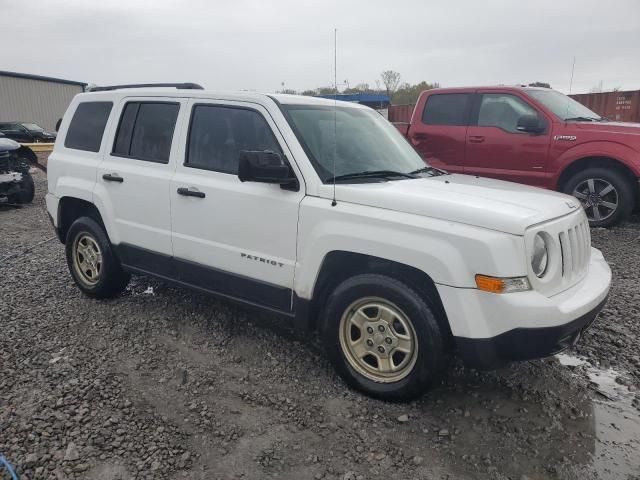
{"x": 146, "y": 131}
{"x": 218, "y": 134}
{"x": 87, "y": 126}
{"x": 446, "y": 109}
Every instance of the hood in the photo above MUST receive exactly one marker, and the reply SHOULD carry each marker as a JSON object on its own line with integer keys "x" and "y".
{"x": 482, "y": 202}
{"x": 610, "y": 127}
{"x": 7, "y": 145}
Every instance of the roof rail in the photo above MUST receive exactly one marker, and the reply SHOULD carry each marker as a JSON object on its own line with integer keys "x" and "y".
{"x": 179, "y": 86}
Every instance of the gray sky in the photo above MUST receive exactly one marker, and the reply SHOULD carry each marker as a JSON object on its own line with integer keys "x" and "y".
{"x": 252, "y": 44}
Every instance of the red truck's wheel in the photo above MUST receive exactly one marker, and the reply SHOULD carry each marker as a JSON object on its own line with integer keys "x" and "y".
{"x": 606, "y": 195}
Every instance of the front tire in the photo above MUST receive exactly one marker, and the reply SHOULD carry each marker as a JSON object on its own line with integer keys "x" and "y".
{"x": 382, "y": 338}
{"x": 91, "y": 261}
{"x": 606, "y": 195}
{"x": 27, "y": 189}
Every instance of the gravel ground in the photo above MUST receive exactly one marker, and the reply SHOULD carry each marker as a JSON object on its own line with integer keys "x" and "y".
{"x": 164, "y": 383}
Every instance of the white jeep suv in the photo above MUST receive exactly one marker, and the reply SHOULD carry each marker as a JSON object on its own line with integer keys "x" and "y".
{"x": 320, "y": 211}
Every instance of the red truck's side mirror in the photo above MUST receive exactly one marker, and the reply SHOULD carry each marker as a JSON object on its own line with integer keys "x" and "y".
{"x": 530, "y": 124}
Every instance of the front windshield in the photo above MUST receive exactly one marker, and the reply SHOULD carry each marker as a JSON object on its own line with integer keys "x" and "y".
{"x": 359, "y": 140}
{"x": 562, "y": 106}
{"x": 33, "y": 127}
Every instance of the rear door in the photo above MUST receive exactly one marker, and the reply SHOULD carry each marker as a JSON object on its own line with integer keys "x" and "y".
{"x": 133, "y": 181}
{"x": 439, "y": 134}
{"x": 496, "y": 149}
{"x": 237, "y": 239}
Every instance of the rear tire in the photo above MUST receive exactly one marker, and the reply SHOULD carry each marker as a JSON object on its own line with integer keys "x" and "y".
{"x": 382, "y": 338}
{"x": 607, "y": 196}
{"x": 92, "y": 262}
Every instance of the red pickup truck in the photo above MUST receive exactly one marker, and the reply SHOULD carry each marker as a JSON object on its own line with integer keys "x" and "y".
{"x": 535, "y": 136}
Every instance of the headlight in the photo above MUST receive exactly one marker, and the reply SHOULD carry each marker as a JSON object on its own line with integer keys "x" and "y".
{"x": 540, "y": 255}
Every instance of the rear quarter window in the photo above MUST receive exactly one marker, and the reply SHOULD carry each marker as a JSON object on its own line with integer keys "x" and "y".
{"x": 446, "y": 109}
{"x": 87, "y": 126}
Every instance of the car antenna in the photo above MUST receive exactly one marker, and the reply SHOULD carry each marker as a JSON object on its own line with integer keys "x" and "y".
{"x": 335, "y": 107}
{"x": 570, "y": 86}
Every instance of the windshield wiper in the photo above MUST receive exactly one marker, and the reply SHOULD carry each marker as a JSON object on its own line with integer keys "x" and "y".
{"x": 583, "y": 119}
{"x": 434, "y": 171}
{"x": 370, "y": 174}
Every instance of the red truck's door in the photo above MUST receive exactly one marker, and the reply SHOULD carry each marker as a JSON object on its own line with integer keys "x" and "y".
{"x": 439, "y": 127}
{"x": 495, "y": 148}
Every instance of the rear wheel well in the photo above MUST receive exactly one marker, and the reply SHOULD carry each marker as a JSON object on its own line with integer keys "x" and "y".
{"x": 70, "y": 209}
{"x": 339, "y": 265}
{"x": 589, "y": 162}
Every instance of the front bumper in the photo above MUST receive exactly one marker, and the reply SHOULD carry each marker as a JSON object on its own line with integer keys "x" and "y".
{"x": 524, "y": 343}
{"x": 491, "y": 330}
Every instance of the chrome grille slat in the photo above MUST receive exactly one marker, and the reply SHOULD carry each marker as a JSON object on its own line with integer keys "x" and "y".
{"x": 575, "y": 245}
{"x": 585, "y": 246}
{"x": 566, "y": 255}
{"x": 579, "y": 253}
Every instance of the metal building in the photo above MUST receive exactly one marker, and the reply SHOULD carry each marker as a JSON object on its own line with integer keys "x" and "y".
{"x": 618, "y": 106}
{"x": 35, "y": 99}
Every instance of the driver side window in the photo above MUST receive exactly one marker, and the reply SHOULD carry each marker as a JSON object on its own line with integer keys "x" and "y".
{"x": 218, "y": 134}
{"x": 502, "y": 110}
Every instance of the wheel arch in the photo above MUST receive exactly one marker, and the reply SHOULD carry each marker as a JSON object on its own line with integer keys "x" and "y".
{"x": 595, "y": 161}
{"x": 72, "y": 208}
{"x": 338, "y": 265}
{"x": 27, "y": 153}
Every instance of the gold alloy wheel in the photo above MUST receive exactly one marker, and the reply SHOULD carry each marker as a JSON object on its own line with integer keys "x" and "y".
{"x": 87, "y": 259}
{"x": 378, "y": 340}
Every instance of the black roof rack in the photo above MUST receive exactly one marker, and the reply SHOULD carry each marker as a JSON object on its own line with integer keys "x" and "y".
{"x": 179, "y": 86}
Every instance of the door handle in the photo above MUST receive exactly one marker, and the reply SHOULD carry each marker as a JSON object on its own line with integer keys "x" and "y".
{"x": 420, "y": 136}
{"x": 476, "y": 139}
{"x": 112, "y": 177}
{"x": 187, "y": 192}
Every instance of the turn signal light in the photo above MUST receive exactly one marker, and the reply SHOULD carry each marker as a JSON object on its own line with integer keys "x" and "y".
{"x": 502, "y": 285}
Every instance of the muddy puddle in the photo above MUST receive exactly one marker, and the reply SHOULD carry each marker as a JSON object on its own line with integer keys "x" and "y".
{"x": 616, "y": 454}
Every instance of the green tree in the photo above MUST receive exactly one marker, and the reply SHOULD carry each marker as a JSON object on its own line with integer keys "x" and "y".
{"x": 359, "y": 88}
{"x": 391, "y": 80}
{"x": 325, "y": 91}
{"x": 408, "y": 94}
{"x": 540, "y": 84}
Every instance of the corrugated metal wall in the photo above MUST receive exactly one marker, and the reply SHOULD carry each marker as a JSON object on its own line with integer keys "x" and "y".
{"x": 400, "y": 113}
{"x": 618, "y": 106}
{"x": 37, "y": 101}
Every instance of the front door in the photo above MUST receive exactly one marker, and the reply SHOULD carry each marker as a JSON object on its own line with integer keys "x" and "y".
{"x": 133, "y": 182}
{"x": 237, "y": 239}
{"x": 495, "y": 147}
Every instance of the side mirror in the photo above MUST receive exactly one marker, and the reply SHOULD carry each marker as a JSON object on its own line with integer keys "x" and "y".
{"x": 265, "y": 167}
{"x": 530, "y": 124}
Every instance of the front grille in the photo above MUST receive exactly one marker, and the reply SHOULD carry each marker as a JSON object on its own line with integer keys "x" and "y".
{"x": 575, "y": 244}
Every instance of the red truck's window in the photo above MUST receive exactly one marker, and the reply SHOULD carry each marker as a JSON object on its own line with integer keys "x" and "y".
{"x": 502, "y": 110}
{"x": 446, "y": 109}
